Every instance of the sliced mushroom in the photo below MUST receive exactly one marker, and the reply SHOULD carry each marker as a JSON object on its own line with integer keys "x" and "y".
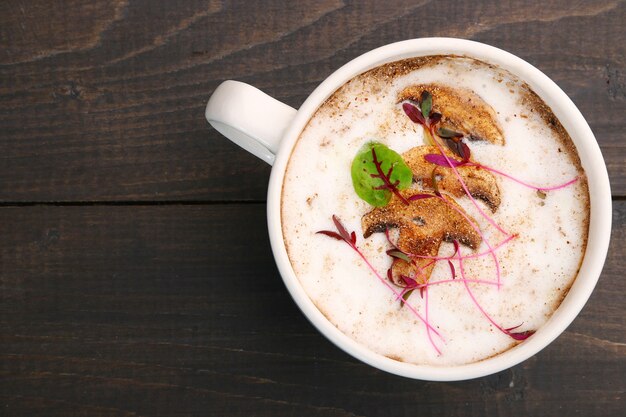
{"x": 480, "y": 183}
{"x": 422, "y": 225}
{"x": 461, "y": 109}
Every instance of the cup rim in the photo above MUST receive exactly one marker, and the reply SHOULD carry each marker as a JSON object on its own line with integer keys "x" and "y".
{"x": 591, "y": 159}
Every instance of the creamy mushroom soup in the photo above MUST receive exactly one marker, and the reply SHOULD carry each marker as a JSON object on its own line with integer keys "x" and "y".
{"x": 468, "y": 204}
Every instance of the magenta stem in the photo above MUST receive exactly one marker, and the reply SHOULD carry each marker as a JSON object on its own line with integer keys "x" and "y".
{"x": 421, "y": 268}
{"x": 491, "y": 250}
{"x": 498, "y": 246}
{"x": 482, "y": 236}
{"x": 474, "y": 255}
{"x": 469, "y": 291}
{"x": 444, "y": 281}
{"x": 458, "y": 176}
{"x": 534, "y": 187}
{"x": 430, "y": 337}
{"x": 387, "y": 178}
{"x": 397, "y": 294}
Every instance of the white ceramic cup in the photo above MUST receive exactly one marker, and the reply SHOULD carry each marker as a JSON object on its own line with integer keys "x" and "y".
{"x": 269, "y": 129}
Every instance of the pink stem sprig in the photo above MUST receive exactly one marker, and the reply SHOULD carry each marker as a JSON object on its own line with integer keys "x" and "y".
{"x": 410, "y": 283}
{"x": 411, "y": 286}
{"x": 470, "y": 256}
{"x": 411, "y": 111}
{"x": 442, "y": 161}
{"x": 447, "y": 281}
{"x": 464, "y": 186}
{"x": 508, "y": 331}
{"x": 474, "y": 226}
{"x": 386, "y": 178}
{"x": 395, "y": 251}
{"x": 430, "y": 337}
{"x": 350, "y": 239}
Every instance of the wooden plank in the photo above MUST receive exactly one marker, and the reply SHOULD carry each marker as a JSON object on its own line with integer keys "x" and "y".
{"x": 179, "y": 310}
{"x": 105, "y": 102}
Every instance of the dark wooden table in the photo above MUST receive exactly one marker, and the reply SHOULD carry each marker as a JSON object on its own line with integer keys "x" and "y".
{"x": 136, "y": 276}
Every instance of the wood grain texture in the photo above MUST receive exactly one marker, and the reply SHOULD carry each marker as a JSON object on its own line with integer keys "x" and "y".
{"x": 103, "y": 100}
{"x": 169, "y": 310}
{"x": 136, "y": 276}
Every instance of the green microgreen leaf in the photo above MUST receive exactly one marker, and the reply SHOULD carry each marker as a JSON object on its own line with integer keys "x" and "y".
{"x": 406, "y": 296}
{"x": 434, "y": 118}
{"x": 448, "y": 133}
{"x": 426, "y": 104}
{"x": 395, "y": 253}
{"x": 378, "y": 172}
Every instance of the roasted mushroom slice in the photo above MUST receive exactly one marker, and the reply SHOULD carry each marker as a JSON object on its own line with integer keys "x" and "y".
{"x": 480, "y": 183}
{"x": 461, "y": 110}
{"x": 422, "y": 225}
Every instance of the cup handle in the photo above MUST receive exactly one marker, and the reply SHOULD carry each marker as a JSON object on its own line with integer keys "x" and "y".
{"x": 249, "y": 117}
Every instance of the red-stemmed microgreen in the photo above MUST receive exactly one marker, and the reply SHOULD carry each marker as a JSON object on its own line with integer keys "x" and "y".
{"x": 452, "y": 270}
{"x": 469, "y": 195}
{"x": 386, "y": 178}
{"x": 409, "y": 283}
{"x": 410, "y": 110}
{"x": 416, "y": 197}
{"x": 474, "y": 226}
{"x": 508, "y": 331}
{"x": 457, "y": 280}
{"x": 446, "y": 133}
{"x": 398, "y": 254}
{"x": 491, "y": 250}
{"x": 439, "y": 160}
{"x": 423, "y": 114}
{"x": 541, "y": 189}
{"x": 395, "y": 251}
{"x": 434, "y": 118}
{"x": 454, "y": 141}
{"x": 414, "y": 114}
{"x": 426, "y": 104}
{"x": 424, "y": 292}
{"x": 350, "y": 239}
{"x": 443, "y": 162}
{"x": 379, "y": 172}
